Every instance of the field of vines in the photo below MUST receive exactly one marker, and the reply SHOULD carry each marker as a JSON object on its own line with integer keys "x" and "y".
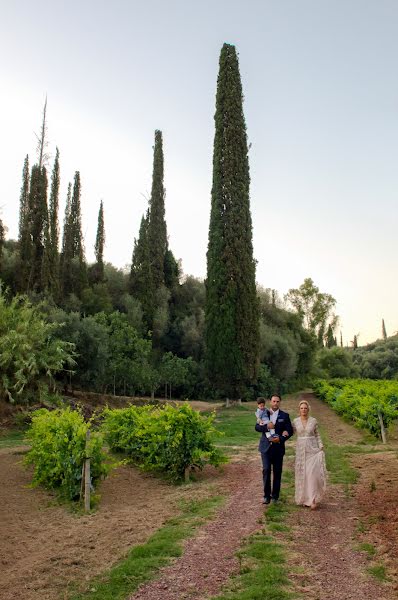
{"x": 164, "y": 439}
{"x": 361, "y": 401}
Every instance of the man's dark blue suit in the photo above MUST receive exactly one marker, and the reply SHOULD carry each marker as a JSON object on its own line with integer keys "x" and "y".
{"x": 272, "y": 454}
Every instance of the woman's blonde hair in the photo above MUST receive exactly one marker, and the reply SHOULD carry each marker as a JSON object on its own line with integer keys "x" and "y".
{"x": 304, "y": 402}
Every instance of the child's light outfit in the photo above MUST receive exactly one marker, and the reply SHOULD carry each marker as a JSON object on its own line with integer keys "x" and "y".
{"x": 263, "y": 416}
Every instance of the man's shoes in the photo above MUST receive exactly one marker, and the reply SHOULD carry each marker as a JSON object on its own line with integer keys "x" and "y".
{"x": 266, "y": 500}
{"x": 275, "y": 500}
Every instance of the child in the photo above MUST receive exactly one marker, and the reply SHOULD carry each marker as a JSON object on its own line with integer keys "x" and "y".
{"x": 263, "y": 416}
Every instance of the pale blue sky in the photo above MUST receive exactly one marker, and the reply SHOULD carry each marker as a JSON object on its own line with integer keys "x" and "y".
{"x": 321, "y": 105}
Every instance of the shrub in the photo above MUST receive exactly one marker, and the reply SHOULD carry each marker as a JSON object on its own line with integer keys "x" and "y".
{"x": 165, "y": 439}
{"x": 58, "y": 440}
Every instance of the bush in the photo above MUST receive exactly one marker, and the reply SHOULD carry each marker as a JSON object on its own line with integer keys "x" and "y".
{"x": 163, "y": 439}
{"x": 30, "y": 352}
{"x": 58, "y": 440}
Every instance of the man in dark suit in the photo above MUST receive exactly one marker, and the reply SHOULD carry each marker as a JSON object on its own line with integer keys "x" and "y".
{"x": 272, "y": 448}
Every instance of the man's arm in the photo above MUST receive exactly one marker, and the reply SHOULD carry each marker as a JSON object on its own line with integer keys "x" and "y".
{"x": 261, "y": 428}
{"x": 288, "y": 428}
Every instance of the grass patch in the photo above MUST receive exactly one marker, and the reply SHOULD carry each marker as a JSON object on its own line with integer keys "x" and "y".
{"x": 11, "y": 438}
{"x": 378, "y": 572}
{"x": 237, "y": 425}
{"x": 337, "y": 461}
{"x": 144, "y": 561}
{"x": 368, "y": 548}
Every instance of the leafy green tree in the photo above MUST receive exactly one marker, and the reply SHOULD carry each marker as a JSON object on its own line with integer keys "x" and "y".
{"x": 128, "y": 367}
{"x": 232, "y": 328}
{"x": 133, "y": 310}
{"x": 96, "y": 299}
{"x": 117, "y": 282}
{"x": 378, "y": 360}
{"x": 157, "y": 230}
{"x": 314, "y": 307}
{"x": 10, "y": 266}
{"x": 335, "y": 362}
{"x": 30, "y": 354}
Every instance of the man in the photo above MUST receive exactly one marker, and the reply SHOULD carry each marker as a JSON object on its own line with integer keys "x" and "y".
{"x": 272, "y": 448}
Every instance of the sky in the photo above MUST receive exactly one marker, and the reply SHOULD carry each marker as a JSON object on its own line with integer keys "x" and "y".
{"x": 321, "y": 106}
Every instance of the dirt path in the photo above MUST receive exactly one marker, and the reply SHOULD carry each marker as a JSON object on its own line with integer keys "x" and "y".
{"x": 44, "y": 548}
{"x": 325, "y": 550}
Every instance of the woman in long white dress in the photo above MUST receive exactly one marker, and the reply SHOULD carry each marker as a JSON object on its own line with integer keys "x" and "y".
{"x": 310, "y": 468}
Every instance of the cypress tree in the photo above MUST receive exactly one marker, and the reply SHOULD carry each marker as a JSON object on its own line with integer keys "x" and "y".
{"x": 157, "y": 230}
{"x": 141, "y": 283}
{"x": 383, "y": 330}
{"x": 53, "y": 229}
{"x": 232, "y": 314}
{"x": 74, "y": 275}
{"x": 66, "y": 253}
{"x": 330, "y": 339}
{"x": 341, "y": 339}
{"x": 37, "y": 222}
{"x": 99, "y": 246}
{"x": 2, "y": 239}
{"x": 24, "y": 233}
{"x": 42, "y": 142}
{"x": 171, "y": 270}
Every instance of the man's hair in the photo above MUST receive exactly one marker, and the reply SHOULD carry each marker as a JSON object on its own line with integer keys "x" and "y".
{"x": 277, "y": 396}
{"x": 261, "y": 400}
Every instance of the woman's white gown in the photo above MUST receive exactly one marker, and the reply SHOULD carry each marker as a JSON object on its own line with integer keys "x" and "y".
{"x": 310, "y": 468}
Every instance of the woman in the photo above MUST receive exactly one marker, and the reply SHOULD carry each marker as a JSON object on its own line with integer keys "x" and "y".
{"x": 310, "y": 469}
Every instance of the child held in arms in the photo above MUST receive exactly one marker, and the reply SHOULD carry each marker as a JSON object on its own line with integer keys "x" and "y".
{"x": 263, "y": 417}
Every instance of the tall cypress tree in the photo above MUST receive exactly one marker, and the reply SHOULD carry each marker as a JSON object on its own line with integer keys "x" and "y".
{"x": 66, "y": 252}
{"x": 99, "y": 246}
{"x": 232, "y": 314}
{"x": 141, "y": 283}
{"x": 383, "y": 330}
{"x": 53, "y": 229}
{"x": 37, "y": 222}
{"x": 73, "y": 271}
{"x": 2, "y": 239}
{"x": 24, "y": 240}
{"x": 157, "y": 230}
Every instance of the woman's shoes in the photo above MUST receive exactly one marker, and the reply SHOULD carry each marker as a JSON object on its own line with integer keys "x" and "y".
{"x": 313, "y": 505}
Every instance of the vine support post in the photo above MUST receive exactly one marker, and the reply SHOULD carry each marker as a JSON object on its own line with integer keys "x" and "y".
{"x": 87, "y": 477}
{"x": 382, "y": 428}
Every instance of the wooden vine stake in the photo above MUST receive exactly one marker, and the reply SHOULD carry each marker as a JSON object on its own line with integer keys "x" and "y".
{"x": 382, "y": 428}
{"x": 87, "y": 478}
{"x": 187, "y": 471}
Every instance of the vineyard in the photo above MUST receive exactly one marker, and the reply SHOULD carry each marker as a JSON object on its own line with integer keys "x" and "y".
{"x": 364, "y": 401}
{"x": 169, "y": 440}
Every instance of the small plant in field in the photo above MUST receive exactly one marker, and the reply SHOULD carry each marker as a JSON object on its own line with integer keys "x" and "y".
{"x": 372, "y": 486}
{"x": 58, "y": 450}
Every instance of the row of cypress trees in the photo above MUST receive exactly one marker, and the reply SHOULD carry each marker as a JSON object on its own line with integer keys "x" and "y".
{"x": 232, "y": 311}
